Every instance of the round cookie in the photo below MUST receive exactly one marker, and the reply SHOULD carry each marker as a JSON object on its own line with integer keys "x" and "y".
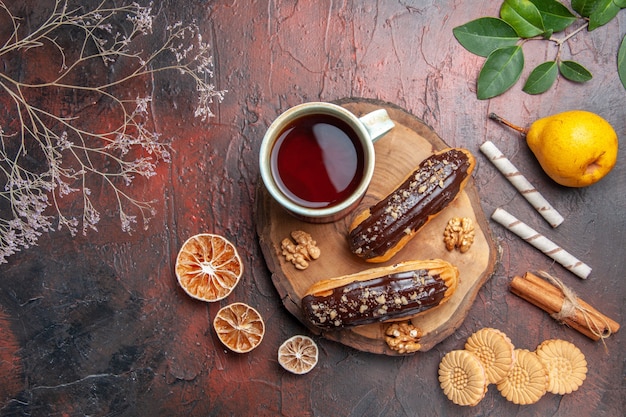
{"x": 527, "y": 381}
{"x": 495, "y": 351}
{"x": 462, "y": 377}
{"x": 566, "y": 365}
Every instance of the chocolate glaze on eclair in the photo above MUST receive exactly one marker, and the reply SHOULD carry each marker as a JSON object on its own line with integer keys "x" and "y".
{"x": 379, "y": 232}
{"x": 380, "y": 294}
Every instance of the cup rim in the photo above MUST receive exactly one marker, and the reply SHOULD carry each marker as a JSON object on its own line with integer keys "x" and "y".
{"x": 270, "y": 138}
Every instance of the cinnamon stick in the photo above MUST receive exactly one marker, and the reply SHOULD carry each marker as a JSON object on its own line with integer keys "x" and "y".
{"x": 550, "y": 303}
{"x": 580, "y": 315}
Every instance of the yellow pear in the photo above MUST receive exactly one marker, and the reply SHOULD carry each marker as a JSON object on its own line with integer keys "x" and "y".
{"x": 575, "y": 148}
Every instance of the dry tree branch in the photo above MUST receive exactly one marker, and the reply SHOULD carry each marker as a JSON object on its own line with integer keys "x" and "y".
{"x": 45, "y": 156}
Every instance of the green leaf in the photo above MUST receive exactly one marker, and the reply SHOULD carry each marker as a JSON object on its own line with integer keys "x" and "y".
{"x": 621, "y": 62}
{"x": 620, "y": 3}
{"x": 556, "y": 16}
{"x": 541, "y": 78}
{"x": 585, "y": 7}
{"x": 485, "y": 35}
{"x": 500, "y": 71}
{"x": 573, "y": 71}
{"x": 523, "y": 16}
{"x": 604, "y": 12}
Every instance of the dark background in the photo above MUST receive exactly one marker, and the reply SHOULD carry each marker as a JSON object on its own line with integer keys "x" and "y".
{"x": 97, "y": 325}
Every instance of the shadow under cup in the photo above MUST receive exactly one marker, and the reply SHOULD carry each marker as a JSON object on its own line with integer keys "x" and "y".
{"x": 317, "y": 161}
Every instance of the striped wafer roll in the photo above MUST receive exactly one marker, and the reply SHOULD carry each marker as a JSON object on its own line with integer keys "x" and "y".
{"x": 541, "y": 242}
{"x": 519, "y": 181}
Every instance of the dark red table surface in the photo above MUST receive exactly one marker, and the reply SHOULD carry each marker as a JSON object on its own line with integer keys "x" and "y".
{"x": 97, "y": 324}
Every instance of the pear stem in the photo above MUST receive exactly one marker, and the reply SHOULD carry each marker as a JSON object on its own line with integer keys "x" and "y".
{"x": 505, "y": 122}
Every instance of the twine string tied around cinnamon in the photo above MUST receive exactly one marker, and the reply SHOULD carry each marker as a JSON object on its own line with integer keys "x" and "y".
{"x": 571, "y": 305}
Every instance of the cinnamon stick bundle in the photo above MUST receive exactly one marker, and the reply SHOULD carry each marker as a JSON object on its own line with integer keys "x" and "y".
{"x": 563, "y": 305}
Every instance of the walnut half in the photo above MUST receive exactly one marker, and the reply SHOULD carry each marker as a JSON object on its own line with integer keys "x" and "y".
{"x": 302, "y": 251}
{"x": 403, "y": 337}
{"x": 459, "y": 233}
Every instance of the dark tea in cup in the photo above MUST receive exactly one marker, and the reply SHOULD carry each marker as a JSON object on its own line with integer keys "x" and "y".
{"x": 317, "y": 161}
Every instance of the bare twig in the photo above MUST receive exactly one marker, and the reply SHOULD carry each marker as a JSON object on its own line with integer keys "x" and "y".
{"x": 69, "y": 155}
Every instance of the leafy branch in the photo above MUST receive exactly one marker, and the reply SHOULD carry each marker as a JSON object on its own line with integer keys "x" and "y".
{"x": 49, "y": 151}
{"x": 500, "y": 40}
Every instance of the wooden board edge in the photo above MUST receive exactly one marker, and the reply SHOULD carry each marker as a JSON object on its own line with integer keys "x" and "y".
{"x": 353, "y": 339}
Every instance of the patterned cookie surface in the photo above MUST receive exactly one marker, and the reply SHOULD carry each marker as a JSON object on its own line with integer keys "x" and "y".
{"x": 462, "y": 377}
{"x": 495, "y": 351}
{"x": 566, "y": 365}
{"x": 527, "y": 381}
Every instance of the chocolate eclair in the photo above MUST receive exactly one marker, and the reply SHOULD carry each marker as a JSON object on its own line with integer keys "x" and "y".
{"x": 379, "y": 232}
{"x": 380, "y": 294}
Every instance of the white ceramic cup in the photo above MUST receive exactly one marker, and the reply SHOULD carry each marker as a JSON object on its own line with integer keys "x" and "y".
{"x": 365, "y": 130}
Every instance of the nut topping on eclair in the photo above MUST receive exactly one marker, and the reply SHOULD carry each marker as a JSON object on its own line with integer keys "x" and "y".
{"x": 379, "y": 232}
{"x": 380, "y": 294}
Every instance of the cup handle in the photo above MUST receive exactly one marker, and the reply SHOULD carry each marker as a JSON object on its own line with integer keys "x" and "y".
{"x": 377, "y": 123}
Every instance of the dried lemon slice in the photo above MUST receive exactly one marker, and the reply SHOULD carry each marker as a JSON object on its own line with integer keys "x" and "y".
{"x": 527, "y": 381}
{"x": 495, "y": 351}
{"x": 566, "y": 365}
{"x": 462, "y": 377}
{"x": 239, "y": 327}
{"x": 208, "y": 267}
{"x": 298, "y": 354}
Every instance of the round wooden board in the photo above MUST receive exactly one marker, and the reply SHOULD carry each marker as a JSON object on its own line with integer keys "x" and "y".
{"x": 397, "y": 154}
